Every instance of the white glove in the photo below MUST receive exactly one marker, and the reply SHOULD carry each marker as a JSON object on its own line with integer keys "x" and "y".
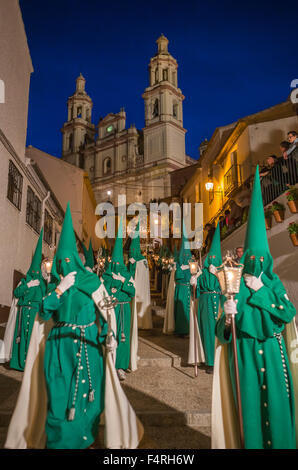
{"x": 67, "y": 282}
{"x": 132, "y": 260}
{"x": 118, "y": 277}
{"x": 184, "y": 266}
{"x": 212, "y": 269}
{"x": 33, "y": 283}
{"x": 193, "y": 280}
{"x": 253, "y": 282}
{"x": 89, "y": 269}
{"x": 230, "y": 307}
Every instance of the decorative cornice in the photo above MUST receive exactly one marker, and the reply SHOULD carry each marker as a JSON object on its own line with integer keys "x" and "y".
{"x": 149, "y": 91}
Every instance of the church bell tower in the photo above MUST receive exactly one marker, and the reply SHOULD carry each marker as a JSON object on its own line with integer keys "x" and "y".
{"x": 78, "y": 131}
{"x": 164, "y": 135}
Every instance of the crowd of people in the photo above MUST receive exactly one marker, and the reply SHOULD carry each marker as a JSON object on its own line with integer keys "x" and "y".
{"x": 74, "y": 334}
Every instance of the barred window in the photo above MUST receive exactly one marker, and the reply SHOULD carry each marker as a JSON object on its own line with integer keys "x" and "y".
{"x": 15, "y": 186}
{"x": 48, "y": 228}
{"x": 33, "y": 210}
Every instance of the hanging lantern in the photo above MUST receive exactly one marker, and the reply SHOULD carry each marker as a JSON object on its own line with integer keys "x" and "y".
{"x": 209, "y": 186}
{"x": 229, "y": 276}
{"x": 193, "y": 267}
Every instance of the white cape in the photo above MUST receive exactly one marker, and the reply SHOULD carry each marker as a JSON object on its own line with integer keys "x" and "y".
{"x": 27, "y": 427}
{"x": 7, "y": 343}
{"x": 194, "y": 329}
{"x": 142, "y": 298}
{"x": 169, "y": 320}
{"x": 224, "y": 421}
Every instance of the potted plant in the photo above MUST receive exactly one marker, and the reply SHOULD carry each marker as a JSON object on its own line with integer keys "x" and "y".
{"x": 268, "y": 217}
{"x": 293, "y": 231}
{"x": 292, "y": 197}
{"x": 278, "y": 210}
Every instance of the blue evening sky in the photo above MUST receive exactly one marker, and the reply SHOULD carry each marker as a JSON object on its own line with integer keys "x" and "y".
{"x": 233, "y": 60}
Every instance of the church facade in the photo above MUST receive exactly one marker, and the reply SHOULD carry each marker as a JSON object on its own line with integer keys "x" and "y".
{"x": 121, "y": 160}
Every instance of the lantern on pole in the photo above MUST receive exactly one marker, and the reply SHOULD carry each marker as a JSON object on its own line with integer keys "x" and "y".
{"x": 193, "y": 268}
{"x": 229, "y": 277}
{"x": 48, "y": 263}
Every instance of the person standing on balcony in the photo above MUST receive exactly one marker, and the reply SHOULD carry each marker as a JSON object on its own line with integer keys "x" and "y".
{"x": 262, "y": 310}
{"x": 289, "y": 164}
{"x": 208, "y": 294}
{"x": 293, "y": 141}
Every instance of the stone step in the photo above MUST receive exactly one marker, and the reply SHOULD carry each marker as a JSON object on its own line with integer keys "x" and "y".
{"x": 177, "y": 437}
{"x": 175, "y": 418}
{"x": 154, "y": 355}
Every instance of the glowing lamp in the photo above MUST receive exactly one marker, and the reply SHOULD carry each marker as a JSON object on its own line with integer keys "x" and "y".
{"x": 209, "y": 186}
{"x": 193, "y": 267}
{"x": 229, "y": 276}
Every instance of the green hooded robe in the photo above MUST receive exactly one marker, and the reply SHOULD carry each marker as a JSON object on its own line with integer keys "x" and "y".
{"x": 135, "y": 252}
{"x": 208, "y": 294}
{"x": 74, "y": 364}
{"x": 182, "y": 298}
{"x": 89, "y": 257}
{"x": 265, "y": 377}
{"x": 29, "y": 304}
{"x": 124, "y": 292}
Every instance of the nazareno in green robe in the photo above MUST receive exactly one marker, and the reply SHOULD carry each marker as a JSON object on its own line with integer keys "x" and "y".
{"x": 73, "y": 364}
{"x": 29, "y": 305}
{"x": 124, "y": 293}
{"x": 265, "y": 379}
{"x": 182, "y": 296}
{"x": 209, "y": 294}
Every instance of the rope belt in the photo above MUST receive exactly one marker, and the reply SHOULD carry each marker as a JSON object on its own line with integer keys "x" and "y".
{"x": 278, "y": 336}
{"x": 211, "y": 292}
{"x": 182, "y": 284}
{"x": 72, "y": 410}
{"x": 18, "y": 338}
{"x": 123, "y": 338}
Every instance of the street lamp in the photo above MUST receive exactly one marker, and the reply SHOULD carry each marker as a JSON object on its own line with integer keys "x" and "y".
{"x": 229, "y": 277}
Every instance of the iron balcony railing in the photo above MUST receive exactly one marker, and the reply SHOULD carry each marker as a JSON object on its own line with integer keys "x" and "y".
{"x": 232, "y": 179}
{"x": 280, "y": 177}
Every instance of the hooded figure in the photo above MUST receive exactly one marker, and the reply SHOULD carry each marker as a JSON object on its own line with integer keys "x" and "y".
{"x": 169, "y": 320}
{"x": 68, "y": 382}
{"x": 262, "y": 309}
{"x": 89, "y": 264}
{"x": 25, "y": 305}
{"x": 138, "y": 267}
{"x": 119, "y": 283}
{"x": 182, "y": 298}
{"x": 208, "y": 294}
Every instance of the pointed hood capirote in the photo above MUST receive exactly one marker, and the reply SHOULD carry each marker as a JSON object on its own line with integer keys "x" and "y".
{"x": 67, "y": 260}
{"x": 257, "y": 262}
{"x": 117, "y": 264}
{"x": 257, "y": 256}
{"x": 135, "y": 245}
{"x": 34, "y": 272}
{"x": 184, "y": 255}
{"x": 208, "y": 282}
{"x": 89, "y": 256}
{"x": 214, "y": 254}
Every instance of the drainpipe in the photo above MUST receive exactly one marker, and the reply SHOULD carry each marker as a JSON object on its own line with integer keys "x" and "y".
{"x": 43, "y": 208}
